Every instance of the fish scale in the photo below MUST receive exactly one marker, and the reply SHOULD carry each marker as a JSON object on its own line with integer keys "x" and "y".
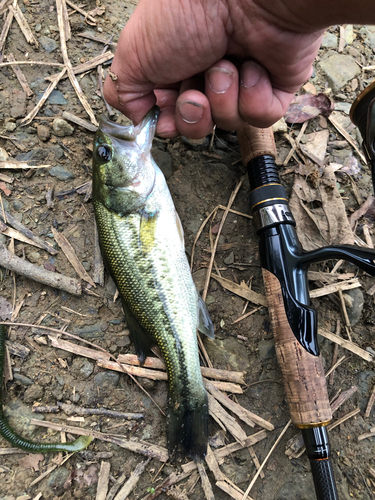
{"x": 141, "y": 240}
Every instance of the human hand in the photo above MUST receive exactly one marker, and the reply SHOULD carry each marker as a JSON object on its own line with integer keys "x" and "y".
{"x": 206, "y": 62}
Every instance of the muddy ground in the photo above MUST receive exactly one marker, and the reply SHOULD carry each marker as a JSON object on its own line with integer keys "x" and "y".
{"x": 200, "y": 177}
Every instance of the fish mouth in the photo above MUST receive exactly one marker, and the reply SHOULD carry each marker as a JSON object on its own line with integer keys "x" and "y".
{"x": 129, "y": 133}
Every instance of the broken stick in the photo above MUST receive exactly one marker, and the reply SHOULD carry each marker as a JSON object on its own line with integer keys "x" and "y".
{"x": 37, "y": 273}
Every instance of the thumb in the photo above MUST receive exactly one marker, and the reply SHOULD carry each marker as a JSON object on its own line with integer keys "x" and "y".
{"x": 126, "y": 87}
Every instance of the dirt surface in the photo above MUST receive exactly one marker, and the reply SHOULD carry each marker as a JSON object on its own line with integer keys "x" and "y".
{"x": 200, "y": 177}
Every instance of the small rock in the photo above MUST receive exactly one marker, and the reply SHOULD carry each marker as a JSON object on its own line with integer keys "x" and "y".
{"x": 123, "y": 341}
{"x": 38, "y": 27}
{"x": 22, "y": 379}
{"x": 56, "y": 97}
{"x": 355, "y": 311}
{"x": 266, "y": 349}
{"x": 230, "y": 259}
{"x": 86, "y": 265}
{"x": 48, "y": 44}
{"x": 147, "y": 383}
{"x": 44, "y": 132}
{"x": 20, "y": 415}
{"x": 82, "y": 367}
{"x": 199, "y": 278}
{"x": 343, "y": 106}
{"x": 17, "y": 205}
{"x": 10, "y": 126}
{"x": 106, "y": 379}
{"x": 57, "y": 480}
{"x": 61, "y": 173}
{"x": 339, "y": 69}
{"x": 3, "y": 155}
{"x": 18, "y": 104}
{"x": 92, "y": 331}
{"x": 329, "y": 40}
{"x": 195, "y": 223}
{"x": 62, "y": 128}
{"x": 33, "y": 256}
{"x": 368, "y": 33}
{"x": 33, "y": 393}
{"x": 164, "y": 161}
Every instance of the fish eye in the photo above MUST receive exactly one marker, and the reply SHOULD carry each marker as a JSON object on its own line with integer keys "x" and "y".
{"x": 104, "y": 152}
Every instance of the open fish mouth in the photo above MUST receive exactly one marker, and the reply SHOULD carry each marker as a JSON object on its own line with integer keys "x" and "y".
{"x": 129, "y": 133}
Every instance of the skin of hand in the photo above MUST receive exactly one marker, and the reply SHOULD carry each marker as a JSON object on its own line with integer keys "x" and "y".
{"x": 206, "y": 62}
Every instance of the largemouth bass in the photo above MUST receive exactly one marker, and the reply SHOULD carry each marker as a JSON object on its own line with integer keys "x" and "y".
{"x": 142, "y": 242}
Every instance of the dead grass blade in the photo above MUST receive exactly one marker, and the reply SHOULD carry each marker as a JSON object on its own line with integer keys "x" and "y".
{"x": 4, "y": 31}
{"x": 132, "y": 481}
{"x": 28, "y": 119}
{"x": 69, "y": 251}
{"x": 79, "y": 121}
{"x": 21, "y": 77}
{"x": 350, "y": 346}
{"x": 23, "y": 24}
{"x": 68, "y": 64}
{"x": 241, "y": 290}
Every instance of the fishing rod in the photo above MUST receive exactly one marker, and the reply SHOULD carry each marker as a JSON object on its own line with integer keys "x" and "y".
{"x": 285, "y": 265}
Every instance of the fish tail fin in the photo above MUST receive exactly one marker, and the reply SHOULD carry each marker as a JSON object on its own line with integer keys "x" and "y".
{"x": 187, "y": 427}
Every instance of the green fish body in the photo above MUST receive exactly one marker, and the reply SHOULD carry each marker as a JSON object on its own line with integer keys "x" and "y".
{"x": 142, "y": 243}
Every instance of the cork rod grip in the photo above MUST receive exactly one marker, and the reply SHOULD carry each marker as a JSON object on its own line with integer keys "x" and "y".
{"x": 256, "y": 142}
{"x": 303, "y": 374}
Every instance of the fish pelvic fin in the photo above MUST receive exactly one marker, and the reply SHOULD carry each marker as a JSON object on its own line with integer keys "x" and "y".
{"x": 205, "y": 325}
{"x": 187, "y": 428}
{"x": 142, "y": 340}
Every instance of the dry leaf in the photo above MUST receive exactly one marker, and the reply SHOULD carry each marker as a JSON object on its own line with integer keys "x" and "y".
{"x": 31, "y": 461}
{"x": 4, "y": 188}
{"x": 5, "y": 309}
{"x": 319, "y": 212}
{"x": 306, "y": 106}
{"x": 315, "y": 146}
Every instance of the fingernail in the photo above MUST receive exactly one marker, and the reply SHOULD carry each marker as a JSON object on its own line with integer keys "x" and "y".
{"x": 219, "y": 80}
{"x": 250, "y": 74}
{"x": 191, "y": 112}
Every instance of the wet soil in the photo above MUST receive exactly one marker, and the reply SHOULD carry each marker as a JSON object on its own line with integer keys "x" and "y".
{"x": 200, "y": 177}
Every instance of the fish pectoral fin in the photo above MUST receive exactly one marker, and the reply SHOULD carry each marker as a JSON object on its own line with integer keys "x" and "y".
{"x": 141, "y": 339}
{"x": 205, "y": 325}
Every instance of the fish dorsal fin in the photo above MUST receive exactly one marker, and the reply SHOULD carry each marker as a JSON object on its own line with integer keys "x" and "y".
{"x": 205, "y": 325}
{"x": 147, "y": 230}
{"x": 141, "y": 339}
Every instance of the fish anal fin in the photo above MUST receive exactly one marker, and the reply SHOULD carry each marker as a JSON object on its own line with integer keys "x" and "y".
{"x": 143, "y": 342}
{"x": 205, "y": 325}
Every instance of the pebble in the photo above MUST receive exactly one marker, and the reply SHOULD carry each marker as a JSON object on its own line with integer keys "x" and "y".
{"x": 106, "y": 379}
{"x": 329, "y": 40}
{"x": 355, "y": 311}
{"x": 147, "y": 383}
{"x": 199, "y": 278}
{"x": 17, "y": 205}
{"x": 368, "y": 33}
{"x": 61, "y": 173}
{"x": 92, "y": 331}
{"x": 38, "y": 27}
{"x": 164, "y": 161}
{"x": 22, "y": 379}
{"x": 230, "y": 259}
{"x": 266, "y": 349}
{"x": 10, "y": 126}
{"x": 82, "y": 367}
{"x": 3, "y": 155}
{"x": 56, "y": 97}
{"x": 195, "y": 223}
{"x": 339, "y": 69}
{"x": 123, "y": 341}
{"x": 44, "y": 132}
{"x": 57, "y": 480}
{"x": 343, "y": 106}
{"x": 33, "y": 393}
{"x": 20, "y": 415}
{"x": 48, "y": 44}
{"x": 62, "y": 128}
